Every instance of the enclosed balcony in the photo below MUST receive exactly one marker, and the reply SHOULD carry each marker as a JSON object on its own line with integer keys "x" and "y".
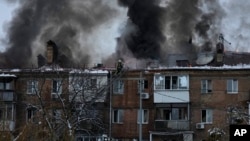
{"x": 167, "y": 125}
{"x": 171, "y": 88}
{"x": 7, "y": 96}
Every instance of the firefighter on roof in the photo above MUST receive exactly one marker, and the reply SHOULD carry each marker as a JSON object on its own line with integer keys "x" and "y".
{"x": 119, "y": 66}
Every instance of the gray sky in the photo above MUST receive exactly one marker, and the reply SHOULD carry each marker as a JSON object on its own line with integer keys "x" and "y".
{"x": 6, "y": 13}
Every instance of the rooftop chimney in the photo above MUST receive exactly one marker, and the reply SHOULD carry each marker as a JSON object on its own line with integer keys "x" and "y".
{"x": 51, "y": 52}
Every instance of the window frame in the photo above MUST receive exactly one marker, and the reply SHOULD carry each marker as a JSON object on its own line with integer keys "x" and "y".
{"x": 171, "y": 82}
{"x": 208, "y": 116}
{"x": 58, "y": 89}
{"x": 143, "y": 85}
{"x": 32, "y": 87}
{"x": 207, "y": 83}
{"x": 145, "y": 116}
{"x": 116, "y": 88}
{"x": 118, "y": 116}
{"x": 234, "y": 86}
{"x": 32, "y": 115}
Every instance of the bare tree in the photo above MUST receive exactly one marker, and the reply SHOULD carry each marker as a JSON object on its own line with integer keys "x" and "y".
{"x": 64, "y": 103}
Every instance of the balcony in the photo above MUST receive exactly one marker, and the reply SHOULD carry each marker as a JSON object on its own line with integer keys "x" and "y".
{"x": 171, "y": 96}
{"x": 164, "y": 125}
{"x": 7, "y": 96}
{"x": 7, "y": 125}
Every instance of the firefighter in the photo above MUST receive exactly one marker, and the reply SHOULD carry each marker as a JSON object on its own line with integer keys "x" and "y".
{"x": 119, "y": 66}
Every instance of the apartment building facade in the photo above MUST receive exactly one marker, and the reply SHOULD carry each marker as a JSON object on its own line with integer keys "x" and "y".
{"x": 182, "y": 103}
{"x": 35, "y": 102}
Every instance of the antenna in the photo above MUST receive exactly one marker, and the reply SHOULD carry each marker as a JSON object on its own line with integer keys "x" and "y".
{"x": 222, "y": 39}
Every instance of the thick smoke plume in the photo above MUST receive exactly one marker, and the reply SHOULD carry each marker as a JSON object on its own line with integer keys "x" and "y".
{"x": 72, "y": 24}
{"x": 160, "y": 27}
{"x": 152, "y": 29}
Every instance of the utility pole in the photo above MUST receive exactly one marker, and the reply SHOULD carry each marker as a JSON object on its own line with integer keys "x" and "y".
{"x": 140, "y": 111}
{"x": 110, "y": 104}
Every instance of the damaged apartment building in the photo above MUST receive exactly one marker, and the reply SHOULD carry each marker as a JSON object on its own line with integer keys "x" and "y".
{"x": 51, "y": 102}
{"x": 184, "y": 101}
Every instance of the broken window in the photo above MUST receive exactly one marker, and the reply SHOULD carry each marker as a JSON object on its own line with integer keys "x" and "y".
{"x": 176, "y": 82}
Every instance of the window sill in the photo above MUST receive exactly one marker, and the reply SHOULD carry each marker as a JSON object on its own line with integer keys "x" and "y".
{"x": 117, "y": 123}
{"x": 232, "y": 93}
{"x": 207, "y": 122}
{"x": 142, "y": 123}
{"x": 206, "y": 93}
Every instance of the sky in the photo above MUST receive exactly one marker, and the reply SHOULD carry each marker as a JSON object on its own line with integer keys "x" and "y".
{"x": 7, "y": 11}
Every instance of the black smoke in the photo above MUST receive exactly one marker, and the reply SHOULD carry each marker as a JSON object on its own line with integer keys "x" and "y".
{"x": 145, "y": 41}
{"x": 63, "y": 21}
{"x": 153, "y": 29}
{"x": 169, "y": 26}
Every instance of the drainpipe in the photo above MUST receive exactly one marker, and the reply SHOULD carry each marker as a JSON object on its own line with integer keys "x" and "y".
{"x": 140, "y": 126}
{"x": 110, "y": 105}
{"x": 249, "y": 113}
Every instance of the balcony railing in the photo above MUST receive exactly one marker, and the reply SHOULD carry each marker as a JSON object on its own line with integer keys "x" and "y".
{"x": 164, "y": 125}
{"x": 7, "y": 125}
{"x": 7, "y": 96}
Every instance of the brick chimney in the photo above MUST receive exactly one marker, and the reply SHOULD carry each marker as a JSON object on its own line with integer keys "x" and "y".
{"x": 51, "y": 52}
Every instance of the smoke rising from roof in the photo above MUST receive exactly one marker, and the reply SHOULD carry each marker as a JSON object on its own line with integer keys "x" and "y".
{"x": 153, "y": 29}
{"x": 164, "y": 27}
{"x": 71, "y": 24}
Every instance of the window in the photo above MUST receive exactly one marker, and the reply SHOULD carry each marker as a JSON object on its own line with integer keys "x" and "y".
{"x": 159, "y": 82}
{"x": 5, "y": 86}
{"x": 174, "y": 113}
{"x": 118, "y": 116}
{"x": 30, "y": 114}
{"x": 90, "y": 83}
{"x": 232, "y": 86}
{"x": 145, "y": 115}
{"x": 57, "y": 115}
{"x": 118, "y": 87}
{"x": 6, "y": 112}
{"x": 32, "y": 87}
{"x": 171, "y": 82}
{"x": 57, "y": 86}
{"x": 207, "y": 116}
{"x": 143, "y": 85}
{"x": 206, "y": 86}
{"x": 93, "y": 83}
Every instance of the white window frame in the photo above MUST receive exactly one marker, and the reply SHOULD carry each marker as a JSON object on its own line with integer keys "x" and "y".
{"x": 182, "y": 82}
{"x": 118, "y": 116}
{"x": 233, "y": 83}
{"x": 145, "y": 116}
{"x": 32, "y": 87}
{"x": 208, "y": 116}
{"x": 142, "y": 84}
{"x": 159, "y": 82}
{"x": 118, "y": 87}
{"x": 58, "y": 89}
{"x": 206, "y": 86}
{"x": 7, "y": 112}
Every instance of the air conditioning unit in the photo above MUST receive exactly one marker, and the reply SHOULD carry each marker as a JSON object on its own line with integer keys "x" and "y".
{"x": 200, "y": 126}
{"x": 144, "y": 95}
